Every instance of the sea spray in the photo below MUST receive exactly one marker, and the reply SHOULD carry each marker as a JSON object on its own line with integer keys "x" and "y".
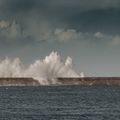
{"x": 11, "y": 68}
{"x": 45, "y": 71}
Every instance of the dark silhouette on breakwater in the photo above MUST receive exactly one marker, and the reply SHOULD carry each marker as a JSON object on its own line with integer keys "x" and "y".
{"x": 61, "y": 81}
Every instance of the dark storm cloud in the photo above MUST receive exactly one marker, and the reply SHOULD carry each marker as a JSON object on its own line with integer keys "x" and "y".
{"x": 59, "y": 4}
{"x": 91, "y": 15}
{"x": 39, "y": 19}
{"x": 97, "y": 20}
{"x": 55, "y": 8}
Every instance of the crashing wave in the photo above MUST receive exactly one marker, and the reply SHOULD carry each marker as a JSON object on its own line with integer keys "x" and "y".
{"x": 44, "y": 70}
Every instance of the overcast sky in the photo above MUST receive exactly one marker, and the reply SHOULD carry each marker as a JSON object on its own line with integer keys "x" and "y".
{"x": 86, "y": 30}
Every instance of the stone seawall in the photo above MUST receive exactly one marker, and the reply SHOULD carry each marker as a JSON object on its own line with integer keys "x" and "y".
{"x": 61, "y": 81}
{"x": 18, "y": 82}
{"x": 90, "y": 81}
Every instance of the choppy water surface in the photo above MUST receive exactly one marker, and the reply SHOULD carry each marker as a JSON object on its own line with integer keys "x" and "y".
{"x": 60, "y": 103}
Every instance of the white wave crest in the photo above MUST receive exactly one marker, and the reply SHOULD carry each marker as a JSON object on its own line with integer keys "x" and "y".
{"x": 43, "y": 70}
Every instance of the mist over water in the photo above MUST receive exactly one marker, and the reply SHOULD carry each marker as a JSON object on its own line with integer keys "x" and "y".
{"x": 42, "y": 70}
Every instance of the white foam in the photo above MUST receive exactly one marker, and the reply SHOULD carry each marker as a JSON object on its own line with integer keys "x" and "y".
{"x": 44, "y": 70}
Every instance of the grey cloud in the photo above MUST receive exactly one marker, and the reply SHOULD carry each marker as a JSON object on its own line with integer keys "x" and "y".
{"x": 84, "y": 15}
{"x": 9, "y": 31}
{"x": 61, "y": 4}
{"x": 115, "y": 41}
{"x": 12, "y": 32}
{"x": 55, "y": 8}
{"x": 87, "y": 4}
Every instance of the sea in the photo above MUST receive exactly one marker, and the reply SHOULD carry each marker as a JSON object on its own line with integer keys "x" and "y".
{"x": 60, "y": 103}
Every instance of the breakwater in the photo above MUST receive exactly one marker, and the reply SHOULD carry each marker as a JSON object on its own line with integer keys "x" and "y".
{"x": 61, "y": 81}
{"x": 18, "y": 82}
{"x": 90, "y": 81}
